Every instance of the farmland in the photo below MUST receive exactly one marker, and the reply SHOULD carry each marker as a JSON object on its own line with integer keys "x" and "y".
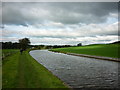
{"x": 107, "y": 50}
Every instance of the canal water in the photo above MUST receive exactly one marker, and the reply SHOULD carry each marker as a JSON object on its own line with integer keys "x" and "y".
{"x": 79, "y": 72}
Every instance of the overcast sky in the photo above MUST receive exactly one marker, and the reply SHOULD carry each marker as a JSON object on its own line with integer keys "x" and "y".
{"x": 61, "y": 22}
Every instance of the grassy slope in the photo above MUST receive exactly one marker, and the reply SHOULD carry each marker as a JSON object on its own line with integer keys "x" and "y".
{"x": 108, "y": 50}
{"x": 22, "y": 71}
{"x": 9, "y": 71}
{"x": 8, "y": 52}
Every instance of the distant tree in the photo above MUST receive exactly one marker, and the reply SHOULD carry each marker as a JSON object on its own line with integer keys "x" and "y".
{"x": 117, "y": 42}
{"x": 10, "y": 45}
{"x": 24, "y": 43}
{"x": 15, "y": 45}
{"x": 7, "y": 45}
{"x": 80, "y": 44}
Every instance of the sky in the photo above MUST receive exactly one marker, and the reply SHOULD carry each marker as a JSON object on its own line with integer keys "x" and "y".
{"x": 60, "y": 23}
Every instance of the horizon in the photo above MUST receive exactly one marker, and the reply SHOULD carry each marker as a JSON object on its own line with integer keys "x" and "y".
{"x": 64, "y": 44}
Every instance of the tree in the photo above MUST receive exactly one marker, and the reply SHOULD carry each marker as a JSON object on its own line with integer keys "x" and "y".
{"x": 24, "y": 43}
{"x": 80, "y": 44}
{"x": 7, "y": 45}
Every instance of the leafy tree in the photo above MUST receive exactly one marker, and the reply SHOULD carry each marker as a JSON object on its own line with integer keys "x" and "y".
{"x": 80, "y": 44}
{"x": 24, "y": 43}
{"x": 7, "y": 45}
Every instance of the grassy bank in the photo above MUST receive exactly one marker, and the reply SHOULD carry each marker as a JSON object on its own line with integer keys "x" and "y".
{"x": 107, "y": 50}
{"x": 22, "y": 71}
{"x": 8, "y": 52}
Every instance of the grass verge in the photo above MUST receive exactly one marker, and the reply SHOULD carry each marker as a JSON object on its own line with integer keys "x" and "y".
{"x": 22, "y": 71}
{"x": 107, "y": 50}
{"x": 8, "y": 52}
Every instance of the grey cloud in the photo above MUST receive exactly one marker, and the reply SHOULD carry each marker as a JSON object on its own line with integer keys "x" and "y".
{"x": 66, "y": 13}
{"x": 60, "y": 23}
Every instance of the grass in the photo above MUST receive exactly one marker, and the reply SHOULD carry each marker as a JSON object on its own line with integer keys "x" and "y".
{"x": 22, "y": 71}
{"x": 107, "y": 50}
{"x": 0, "y": 69}
{"x": 7, "y": 52}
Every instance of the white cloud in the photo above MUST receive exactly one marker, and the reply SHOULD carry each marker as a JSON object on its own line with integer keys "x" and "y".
{"x": 75, "y": 41}
{"x": 60, "y": 23}
{"x": 69, "y": 31}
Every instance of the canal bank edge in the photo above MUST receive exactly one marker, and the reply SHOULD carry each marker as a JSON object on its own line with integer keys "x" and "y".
{"x": 90, "y": 56}
{"x": 69, "y": 87}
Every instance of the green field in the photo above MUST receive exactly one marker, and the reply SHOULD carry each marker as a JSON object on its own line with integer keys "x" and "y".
{"x": 22, "y": 71}
{"x": 107, "y": 50}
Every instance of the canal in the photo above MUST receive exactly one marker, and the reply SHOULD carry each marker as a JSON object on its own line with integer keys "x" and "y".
{"x": 79, "y": 72}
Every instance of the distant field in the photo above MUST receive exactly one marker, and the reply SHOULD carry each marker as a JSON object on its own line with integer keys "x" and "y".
{"x": 107, "y": 50}
{"x": 22, "y": 71}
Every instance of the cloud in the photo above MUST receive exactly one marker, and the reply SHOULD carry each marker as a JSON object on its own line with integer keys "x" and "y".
{"x": 60, "y": 23}
{"x": 75, "y": 41}
{"x": 69, "y": 31}
{"x": 65, "y": 13}
{"x": 69, "y": 41}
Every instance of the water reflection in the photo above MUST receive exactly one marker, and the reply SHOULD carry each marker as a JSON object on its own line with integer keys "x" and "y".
{"x": 79, "y": 72}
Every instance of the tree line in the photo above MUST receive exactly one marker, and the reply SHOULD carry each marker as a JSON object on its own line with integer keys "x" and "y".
{"x": 10, "y": 45}
{"x": 25, "y": 43}
{"x": 22, "y": 44}
{"x": 16, "y": 45}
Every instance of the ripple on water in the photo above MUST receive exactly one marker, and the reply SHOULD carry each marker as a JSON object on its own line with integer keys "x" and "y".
{"x": 79, "y": 72}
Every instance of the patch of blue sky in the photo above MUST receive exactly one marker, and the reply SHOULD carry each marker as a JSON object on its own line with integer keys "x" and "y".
{"x": 111, "y": 20}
